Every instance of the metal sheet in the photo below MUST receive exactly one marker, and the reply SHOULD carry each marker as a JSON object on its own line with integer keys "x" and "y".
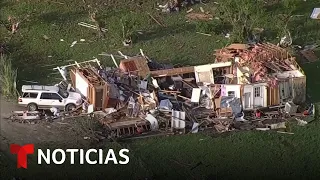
{"x": 315, "y": 13}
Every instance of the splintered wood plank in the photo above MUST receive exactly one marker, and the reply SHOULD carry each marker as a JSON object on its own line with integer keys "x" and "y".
{"x": 237, "y": 46}
{"x": 274, "y": 50}
{"x": 172, "y": 72}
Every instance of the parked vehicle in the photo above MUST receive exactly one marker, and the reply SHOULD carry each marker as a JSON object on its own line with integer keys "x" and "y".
{"x": 36, "y": 97}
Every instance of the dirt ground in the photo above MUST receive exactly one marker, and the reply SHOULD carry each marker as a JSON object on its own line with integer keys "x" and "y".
{"x": 20, "y": 133}
{"x": 42, "y": 135}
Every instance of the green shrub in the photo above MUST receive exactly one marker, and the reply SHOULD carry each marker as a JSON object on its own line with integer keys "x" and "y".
{"x": 8, "y": 77}
{"x": 205, "y": 27}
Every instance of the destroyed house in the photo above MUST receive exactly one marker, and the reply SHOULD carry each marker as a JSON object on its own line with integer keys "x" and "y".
{"x": 261, "y": 75}
{"x": 142, "y": 94}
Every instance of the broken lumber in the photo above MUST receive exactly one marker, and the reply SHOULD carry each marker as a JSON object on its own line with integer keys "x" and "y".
{"x": 172, "y": 72}
{"x": 203, "y": 34}
{"x": 199, "y": 16}
{"x": 156, "y": 20}
{"x": 167, "y": 91}
{"x": 282, "y": 132}
{"x": 91, "y": 26}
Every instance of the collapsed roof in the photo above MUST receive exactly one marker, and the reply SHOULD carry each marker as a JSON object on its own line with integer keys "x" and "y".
{"x": 261, "y": 59}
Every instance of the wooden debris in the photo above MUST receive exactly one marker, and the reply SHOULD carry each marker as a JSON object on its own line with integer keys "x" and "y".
{"x": 201, "y": 9}
{"x": 263, "y": 129}
{"x": 57, "y": 2}
{"x": 301, "y": 122}
{"x": 190, "y": 10}
{"x": 199, "y": 16}
{"x": 45, "y": 37}
{"x": 25, "y": 116}
{"x": 281, "y": 125}
{"x": 282, "y": 132}
{"x": 179, "y": 114}
{"x": 237, "y": 46}
{"x": 167, "y": 91}
{"x": 309, "y": 55}
{"x": 221, "y": 126}
{"x": 156, "y": 20}
{"x": 92, "y": 26}
{"x": 14, "y": 24}
{"x": 203, "y": 34}
{"x": 184, "y": 97}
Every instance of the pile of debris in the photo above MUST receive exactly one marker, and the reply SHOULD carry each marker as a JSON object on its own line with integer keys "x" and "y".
{"x": 141, "y": 96}
{"x": 176, "y": 5}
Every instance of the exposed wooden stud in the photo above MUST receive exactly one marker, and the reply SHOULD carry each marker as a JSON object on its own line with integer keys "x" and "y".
{"x": 114, "y": 61}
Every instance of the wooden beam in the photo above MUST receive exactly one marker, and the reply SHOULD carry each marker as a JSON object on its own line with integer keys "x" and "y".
{"x": 172, "y": 72}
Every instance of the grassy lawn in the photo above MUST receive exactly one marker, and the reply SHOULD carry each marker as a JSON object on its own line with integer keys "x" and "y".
{"x": 177, "y": 42}
{"x": 258, "y": 155}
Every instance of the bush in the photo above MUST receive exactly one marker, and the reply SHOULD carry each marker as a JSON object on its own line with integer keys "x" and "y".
{"x": 213, "y": 27}
{"x": 8, "y": 78}
{"x": 242, "y": 16}
{"x": 205, "y": 27}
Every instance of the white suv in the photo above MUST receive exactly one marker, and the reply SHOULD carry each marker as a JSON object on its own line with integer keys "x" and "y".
{"x": 36, "y": 97}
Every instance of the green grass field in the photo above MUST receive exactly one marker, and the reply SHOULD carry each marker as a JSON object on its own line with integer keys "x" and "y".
{"x": 244, "y": 155}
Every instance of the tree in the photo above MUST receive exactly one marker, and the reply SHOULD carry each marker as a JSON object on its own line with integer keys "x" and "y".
{"x": 242, "y": 16}
{"x": 289, "y": 7}
{"x": 129, "y": 25}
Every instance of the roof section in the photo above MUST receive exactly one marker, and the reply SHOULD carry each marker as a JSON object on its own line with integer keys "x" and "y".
{"x": 261, "y": 59}
{"x": 257, "y": 52}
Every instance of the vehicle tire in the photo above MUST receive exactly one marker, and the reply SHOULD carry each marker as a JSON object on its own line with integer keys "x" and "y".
{"x": 70, "y": 107}
{"x": 32, "y": 107}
